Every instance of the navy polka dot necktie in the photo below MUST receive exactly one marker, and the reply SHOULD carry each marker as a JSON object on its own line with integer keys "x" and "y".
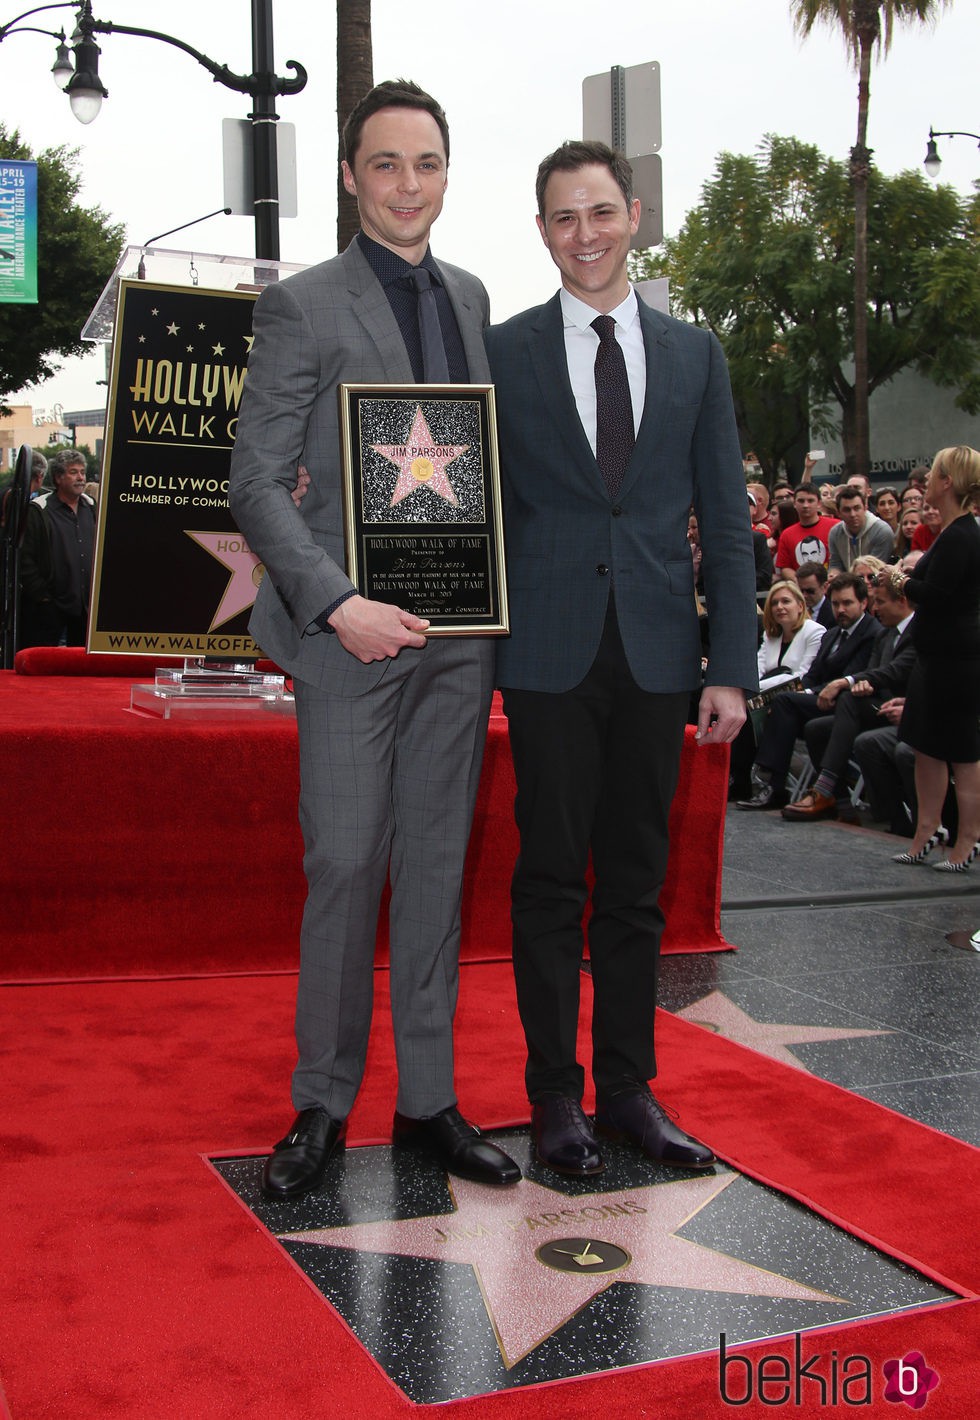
{"x": 614, "y": 408}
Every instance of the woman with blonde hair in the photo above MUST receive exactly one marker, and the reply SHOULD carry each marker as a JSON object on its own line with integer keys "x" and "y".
{"x": 941, "y": 720}
{"x": 789, "y": 644}
{"x": 790, "y": 640}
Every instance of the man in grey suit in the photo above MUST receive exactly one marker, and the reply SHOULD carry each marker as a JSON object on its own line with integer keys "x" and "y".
{"x": 614, "y": 422}
{"x": 391, "y": 726}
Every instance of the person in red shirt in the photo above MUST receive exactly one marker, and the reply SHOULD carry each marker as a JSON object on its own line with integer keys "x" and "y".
{"x": 928, "y": 530}
{"x": 807, "y": 540}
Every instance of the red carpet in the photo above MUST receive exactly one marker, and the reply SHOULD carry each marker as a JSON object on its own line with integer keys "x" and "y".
{"x": 187, "y": 847}
{"x": 134, "y": 1285}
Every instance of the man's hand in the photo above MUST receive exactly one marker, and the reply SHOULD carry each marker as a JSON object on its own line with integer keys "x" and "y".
{"x": 302, "y": 484}
{"x": 830, "y": 692}
{"x": 373, "y": 631}
{"x": 721, "y": 714}
{"x": 892, "y": 709}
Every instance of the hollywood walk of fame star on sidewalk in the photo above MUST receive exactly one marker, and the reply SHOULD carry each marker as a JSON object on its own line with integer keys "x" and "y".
{"x": 421, "y": 462}
{"x": 498, "y": 1232}
{"x": 232, "y": 552}
{"x": 718, "y": 1013}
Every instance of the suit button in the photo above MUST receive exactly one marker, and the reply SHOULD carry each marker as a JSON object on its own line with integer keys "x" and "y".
{"x": 617, "y": 512}
{"x": 602, "y": 570}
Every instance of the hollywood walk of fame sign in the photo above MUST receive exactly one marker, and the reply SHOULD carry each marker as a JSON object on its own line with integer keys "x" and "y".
{"x": 173, "y": 575}
{"x": 422, "y": 503}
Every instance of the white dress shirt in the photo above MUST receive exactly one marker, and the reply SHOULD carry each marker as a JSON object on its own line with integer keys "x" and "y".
{"x": 581, "y": 344}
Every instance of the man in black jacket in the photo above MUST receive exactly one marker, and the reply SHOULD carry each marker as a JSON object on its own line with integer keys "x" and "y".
{"x": 857, "y": 705}
{"x": 56, "y": 558}
{"x": 843, "y": 652}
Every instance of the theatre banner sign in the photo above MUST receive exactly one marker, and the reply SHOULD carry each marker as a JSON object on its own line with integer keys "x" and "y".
{"x": 173, "y": 575}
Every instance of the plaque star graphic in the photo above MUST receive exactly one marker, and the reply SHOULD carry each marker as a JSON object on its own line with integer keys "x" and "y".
{"x": 248, "y": 341}
{"x": 172, "y": 329}
{"x": 421, "y": 462}
{"x": 201, "y": 325}
{"x": 246, "y": 570}
{"x": 218, "y": 349}
{"x": 498, "y": 1234}
{"x": 719, "y": 1013}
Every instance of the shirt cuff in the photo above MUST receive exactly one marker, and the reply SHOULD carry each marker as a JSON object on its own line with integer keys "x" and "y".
{"x": 323, "y": 620}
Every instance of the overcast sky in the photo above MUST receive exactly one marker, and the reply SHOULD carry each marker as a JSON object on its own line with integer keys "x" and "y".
{"x": 510, "y": 78}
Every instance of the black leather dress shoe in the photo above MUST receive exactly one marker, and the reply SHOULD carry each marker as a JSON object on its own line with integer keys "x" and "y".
{"x": 457, "y": 1144}
{"x": 636, "y": 1116}
{"x": 563, "y": 1137}
{"x": 765, "y": 797}
{"x": 298, "y": 1162}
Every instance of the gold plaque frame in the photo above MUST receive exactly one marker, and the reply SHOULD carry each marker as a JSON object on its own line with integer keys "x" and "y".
{"x": 422, "y": 515}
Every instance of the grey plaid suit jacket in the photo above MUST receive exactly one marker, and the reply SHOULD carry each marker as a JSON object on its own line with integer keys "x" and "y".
{"x": 317, "y": 329}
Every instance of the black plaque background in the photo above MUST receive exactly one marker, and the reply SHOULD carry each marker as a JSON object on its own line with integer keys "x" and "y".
{"x": 376, "y": 547}
{"x": 155, "y": 590}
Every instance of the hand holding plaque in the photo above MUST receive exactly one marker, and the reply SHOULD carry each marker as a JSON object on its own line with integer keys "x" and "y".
{"x": 422, "y": 503}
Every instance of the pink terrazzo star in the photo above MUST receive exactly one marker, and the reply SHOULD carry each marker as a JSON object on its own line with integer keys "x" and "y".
{"x": 498, "y": 1233}
{"x": 719, "y": 1013}
{"x": 421, "y": 462}
{"x": 232, "y": 552}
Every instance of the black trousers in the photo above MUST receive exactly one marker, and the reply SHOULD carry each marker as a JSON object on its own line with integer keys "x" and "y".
{"x": 596, "y": 769}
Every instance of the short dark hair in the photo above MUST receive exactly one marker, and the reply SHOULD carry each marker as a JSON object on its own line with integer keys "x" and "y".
{"x": 812, "y": 569}
{"x": 391, "y": 93}
{"x": 850, "y": 490}
{"x": 576, "y": 154}
{"x": 845, "y": 580}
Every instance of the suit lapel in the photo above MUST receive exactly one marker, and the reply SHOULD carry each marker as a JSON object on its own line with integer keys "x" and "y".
{"x": 550, "y": 363}
{"x": 370, "y": 307}
{"x": 470, "y": 324}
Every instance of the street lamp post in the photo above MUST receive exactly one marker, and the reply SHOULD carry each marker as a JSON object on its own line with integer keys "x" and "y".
{"x": 85, "y": 90}
{"x": 932, "y": 162}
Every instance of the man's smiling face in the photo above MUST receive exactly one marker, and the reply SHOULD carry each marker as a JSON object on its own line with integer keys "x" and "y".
{"x": 399, "y": 179}
{"x": 587, "y": 228}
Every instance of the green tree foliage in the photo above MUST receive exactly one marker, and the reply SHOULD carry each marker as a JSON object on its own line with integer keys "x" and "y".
{"x": 767, "y": 262}
{"x": 77, "y": 248}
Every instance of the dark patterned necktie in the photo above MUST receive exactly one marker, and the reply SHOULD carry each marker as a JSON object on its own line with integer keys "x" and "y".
{"x": 614, "y": 437}
{"x": 435, "y": 366}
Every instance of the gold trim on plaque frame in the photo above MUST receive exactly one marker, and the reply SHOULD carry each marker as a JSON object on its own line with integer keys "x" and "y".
{"x": 422, "y": 513}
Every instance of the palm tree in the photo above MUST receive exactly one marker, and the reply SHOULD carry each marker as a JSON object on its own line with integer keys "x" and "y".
{"x": 864, "y": 24}
{"x": 354, "y": 80}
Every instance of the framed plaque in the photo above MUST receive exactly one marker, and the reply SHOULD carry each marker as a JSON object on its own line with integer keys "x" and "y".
{"x": 422, "y": 503}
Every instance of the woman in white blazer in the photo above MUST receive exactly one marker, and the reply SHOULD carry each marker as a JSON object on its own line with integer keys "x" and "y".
{"x": 789, "y": 644}
{"x": 791, "y": 639}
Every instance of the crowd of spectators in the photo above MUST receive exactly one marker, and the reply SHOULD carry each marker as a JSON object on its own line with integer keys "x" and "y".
{"x": 869, "y": 651}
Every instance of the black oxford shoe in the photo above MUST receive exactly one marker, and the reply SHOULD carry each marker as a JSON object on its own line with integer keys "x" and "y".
{"x": 563, "y": 1137}
{"x": 636, "y": 1116}
{"x": 457, "y": 1144}
{"x": 298, "y": 1162}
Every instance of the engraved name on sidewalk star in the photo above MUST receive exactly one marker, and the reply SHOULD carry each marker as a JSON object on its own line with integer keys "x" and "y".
{"x": 421, "y": 462}
{"x": 500, "y": 1233}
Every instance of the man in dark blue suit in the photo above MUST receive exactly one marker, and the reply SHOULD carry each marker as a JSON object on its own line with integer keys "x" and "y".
{"x": 614, "y": 422}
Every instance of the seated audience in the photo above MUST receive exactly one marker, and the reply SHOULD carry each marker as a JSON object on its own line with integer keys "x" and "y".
{"x": 855, "y": 701}
{"x": 842, "y": 652}
{"x": 790, "y": 638}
